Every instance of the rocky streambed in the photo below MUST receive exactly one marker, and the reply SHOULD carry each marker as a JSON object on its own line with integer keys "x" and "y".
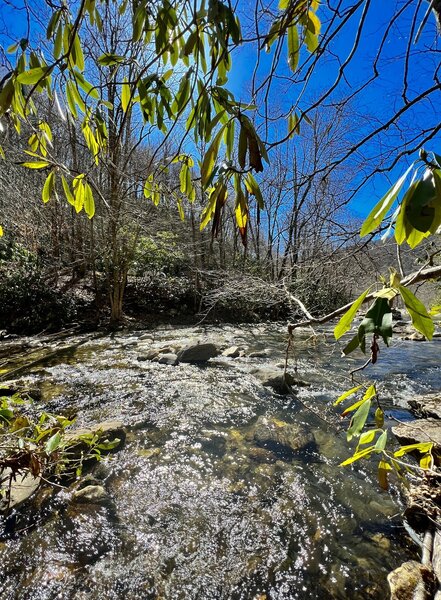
{"x": 226, "y": 487}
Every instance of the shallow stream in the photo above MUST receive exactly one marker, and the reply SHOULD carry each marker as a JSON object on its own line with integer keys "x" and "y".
{"x": 198, "y": 510}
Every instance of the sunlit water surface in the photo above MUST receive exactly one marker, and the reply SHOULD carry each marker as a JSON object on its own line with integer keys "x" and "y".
{"x": 198, "y": 511}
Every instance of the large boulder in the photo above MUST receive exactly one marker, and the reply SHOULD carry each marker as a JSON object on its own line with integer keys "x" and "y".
{"x": 270, "y": 433}
{"x": 198, "y": 353}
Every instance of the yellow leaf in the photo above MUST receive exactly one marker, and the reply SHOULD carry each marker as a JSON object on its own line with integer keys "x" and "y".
{"x": 89, "y": 202}
{"x": 422, "y": 447}
{"x": 357, "y": 456}
{"x": 347, "y": 394}
{"x": 48, "y": 187}
{"x": 38, "y": 164}
{"x": 67, "y": 191}
{"x": 426, "y": 461}
{"x": 125, "y": 95}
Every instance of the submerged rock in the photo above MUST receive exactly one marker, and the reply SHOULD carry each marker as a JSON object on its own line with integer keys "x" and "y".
{"x": 149, "y": 355}
{"x": 197, "y": 353}
{"x": 280, "y": 382}
{"x": 260, "y": 354}
{"x": 91, "y": 494}
{"x": 269, "y": 431}
{"x": 411, "y": 581}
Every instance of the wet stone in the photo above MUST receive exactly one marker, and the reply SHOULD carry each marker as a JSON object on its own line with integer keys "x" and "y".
{"x": 168, "y": 359}
{"x": 231, "y": 352}
{"x": 270, "y": 431}
{"x": 93, "y": 494}
{"x": 198, "y": 353}
{"x": 280, "y": 382}
{"x": 411, "y": 581}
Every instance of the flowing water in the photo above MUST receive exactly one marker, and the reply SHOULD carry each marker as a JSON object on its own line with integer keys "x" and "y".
{"x": 197, "y": 510}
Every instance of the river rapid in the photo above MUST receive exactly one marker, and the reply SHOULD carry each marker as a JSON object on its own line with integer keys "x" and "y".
{"x": 197, "y": 509}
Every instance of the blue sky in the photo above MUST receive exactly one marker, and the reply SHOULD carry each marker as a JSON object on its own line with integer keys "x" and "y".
{"x": 382, "y": 98}
{"x": 378, "y": 101}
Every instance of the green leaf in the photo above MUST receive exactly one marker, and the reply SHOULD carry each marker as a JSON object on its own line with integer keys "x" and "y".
{"x": 293, "y": 124}
{"x": 379, "y": 418}
{"x": 48, "y": 187}
{"x": 32, "y": 76}
{"x": 210, "y": 158}
{"x": 293, "y": 47}
{"x": 378, "y": 320}
{"x": 52, "y": 443}
{"x": 208, "y": 211}
{"x": 243, "y": 146}
{"x": 358, "y": 420}
{"x": 353, "y": 407}
{"x": 380, "y": 210}
{"x": 79, "y": 192}
{"x": 254, "y": 189}
{"x": 346, "y": 321}
{"x": 86, "y": 85}
{"x": 352, "y": 345}
{"x": 381, "y": 442}
{"x": 347, "y": 394}
{"x": 420, "y": 208}
{"x": 107, "y": 445}
{"x": 383, "y": 468}
{"x": 77, "y": 53}
{"x": 107, "y": 59}
{"x": 367, "y": 437}
{"x": 426, "y": 461}
{"x": 420, "y": 317}
{"x": 125, "y": 95}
